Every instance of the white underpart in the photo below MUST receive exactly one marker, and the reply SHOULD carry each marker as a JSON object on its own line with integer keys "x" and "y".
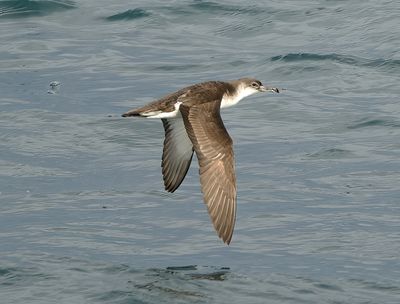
{"x": 227, "y": 101}
{"x": 242, "y": 92}
{"x": 160, "y": 114}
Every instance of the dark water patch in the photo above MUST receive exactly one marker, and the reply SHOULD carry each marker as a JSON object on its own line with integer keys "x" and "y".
{"x": 120, "y": 296}
{"x": 132, "y": 14}
{"x": 185, "y": 274}
{"x": 178, "y": 67}
{"x": 26, "y": 8}
{"x": 379, "y": 286}
{"x": 15, "y": 276}
{"x": 214, "y": 8}
{"x": 214, "y": 276}
{"x": 8, "y": 276}
{"x": 304, "y": 291}
{"x": 332, "y": 153}
{"x": 386, "y": 64}
{"x": 168, "y": 291}
{"x": 191, "y": 271}
{"x": 378, "y": 122}
{"x": 6, "y": 271}
{"x": 328, "y": 286}
{"x": 180, "y": 268}
{"x": 179, "y": 282}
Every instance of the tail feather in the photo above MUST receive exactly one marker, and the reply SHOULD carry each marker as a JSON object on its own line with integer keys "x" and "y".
{"x": 131, "y": 113}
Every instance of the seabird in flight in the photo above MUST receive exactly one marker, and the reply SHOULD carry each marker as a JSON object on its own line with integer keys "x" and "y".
{"x": 192, "y": 123}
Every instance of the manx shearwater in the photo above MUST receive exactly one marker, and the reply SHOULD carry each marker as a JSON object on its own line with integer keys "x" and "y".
{"x": 192, "y": 123}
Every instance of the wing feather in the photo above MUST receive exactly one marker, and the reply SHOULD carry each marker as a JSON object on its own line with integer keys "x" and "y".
{"x": 177, "y": 153}
{"x": 214, "y": 150}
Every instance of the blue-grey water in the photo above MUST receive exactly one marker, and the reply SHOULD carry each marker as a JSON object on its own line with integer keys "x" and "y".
{"x": 83, "y": 214}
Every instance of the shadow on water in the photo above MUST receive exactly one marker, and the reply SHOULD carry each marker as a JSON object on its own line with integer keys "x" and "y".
{"x": 26, "y": 8}
{"x": 121, "y": 283}
{"x": 117, "y": 283}
{"x": 178, "y": 282}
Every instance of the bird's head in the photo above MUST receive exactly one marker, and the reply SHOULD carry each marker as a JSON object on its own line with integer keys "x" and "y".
{"x": 242, "y": 88}
{"x": 252, "y": 86}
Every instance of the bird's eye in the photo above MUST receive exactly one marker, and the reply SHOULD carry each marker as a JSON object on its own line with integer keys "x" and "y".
{"x": 254, "y": 85}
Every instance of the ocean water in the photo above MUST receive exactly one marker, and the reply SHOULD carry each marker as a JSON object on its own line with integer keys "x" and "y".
{"x": 83, "y": 214}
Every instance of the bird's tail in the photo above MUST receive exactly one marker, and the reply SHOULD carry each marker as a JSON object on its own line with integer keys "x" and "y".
{"x": 131, "y": 113}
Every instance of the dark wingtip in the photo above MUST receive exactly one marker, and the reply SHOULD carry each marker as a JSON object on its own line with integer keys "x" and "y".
{"x": 226, "y": 239}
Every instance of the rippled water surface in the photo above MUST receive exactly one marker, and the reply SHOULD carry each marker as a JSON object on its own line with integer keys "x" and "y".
{"x": 83, "y": 214}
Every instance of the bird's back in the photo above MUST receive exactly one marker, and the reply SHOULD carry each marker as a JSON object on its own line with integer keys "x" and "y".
{"x": 197, "y": 93}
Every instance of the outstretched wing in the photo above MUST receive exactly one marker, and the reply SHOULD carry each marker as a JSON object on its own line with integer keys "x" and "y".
{"x": 213, "y": 147}
{"x": 177, "y": 153}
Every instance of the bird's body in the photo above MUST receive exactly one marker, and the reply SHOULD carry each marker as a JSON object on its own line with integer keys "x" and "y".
{"x": 192, "y": 123}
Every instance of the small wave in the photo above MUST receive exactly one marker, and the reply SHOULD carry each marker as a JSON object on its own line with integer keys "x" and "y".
{"x": 177, "y": 67}
{"x": 389, "y": 64}
{"x": 202, "y": 273}
{"x": 328, "y": 286}
{"x": 7, "y": 271}
{"x": 210, "y": 6}
{"x": 26, "y": 8}
{"x": 12, "y": 276}
{"x": 376, "y": 285}
{"x": 332, "y": 153}
{"x": 238, "y": 29}
{"x": 181, "y": 268}
{"x": 214, "y": 8}
{"x": 380, "y": 122}
{"x": 129, "y": 15}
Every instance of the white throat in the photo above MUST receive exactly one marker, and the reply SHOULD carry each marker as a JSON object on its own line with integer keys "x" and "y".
{"x": 241, "y": 92}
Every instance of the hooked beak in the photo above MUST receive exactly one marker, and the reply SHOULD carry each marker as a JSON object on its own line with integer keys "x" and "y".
{"x": 268, "y": 89}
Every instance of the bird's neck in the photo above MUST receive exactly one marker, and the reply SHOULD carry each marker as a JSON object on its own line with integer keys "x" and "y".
{"x": 231, "y": 98}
